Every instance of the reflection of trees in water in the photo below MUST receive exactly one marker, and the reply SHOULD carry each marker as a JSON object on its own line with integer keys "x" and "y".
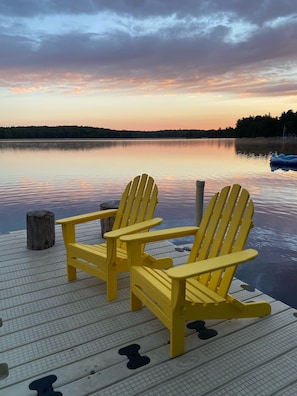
{"x": 42, "y": 145}
{"x": 92, "y": 144}
{"x": 265, "y": 146}
{"x": 213, "y": 142}
{"x": 243, "y": 146}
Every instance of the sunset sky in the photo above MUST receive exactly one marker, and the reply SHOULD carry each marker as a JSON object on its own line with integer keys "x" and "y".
{"x": 146, "y": 64}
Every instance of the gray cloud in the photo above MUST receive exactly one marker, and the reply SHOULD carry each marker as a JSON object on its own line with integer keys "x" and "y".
{"x": 252, "y": 10}
{"x": 189, "y": 42}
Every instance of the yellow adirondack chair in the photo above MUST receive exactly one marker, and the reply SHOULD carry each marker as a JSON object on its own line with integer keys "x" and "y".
{"x": 198, "y": 289}
{"x": 105, "y": 260}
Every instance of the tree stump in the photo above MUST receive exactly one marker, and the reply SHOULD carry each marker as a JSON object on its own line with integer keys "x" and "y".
{"x": 40, "y": 230}
{"x": 107, "y": 223}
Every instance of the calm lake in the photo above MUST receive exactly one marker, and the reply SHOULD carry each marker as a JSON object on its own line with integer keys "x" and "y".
{"x": 72, "y": 177}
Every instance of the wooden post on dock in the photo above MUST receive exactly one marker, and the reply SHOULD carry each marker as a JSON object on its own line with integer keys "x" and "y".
{"x": 40, "y": 230}
{"x": 107, "y": 222}
{"x": 199, "y": 200}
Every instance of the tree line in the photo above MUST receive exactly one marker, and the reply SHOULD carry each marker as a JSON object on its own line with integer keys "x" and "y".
{"x": 267, "y": 126}
{"x": 252, "y": 126}
{"x": 83, "y": 132}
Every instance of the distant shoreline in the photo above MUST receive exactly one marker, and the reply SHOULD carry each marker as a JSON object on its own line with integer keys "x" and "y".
{"x": 266, "y": 126}
{"x": 81, "y": 132}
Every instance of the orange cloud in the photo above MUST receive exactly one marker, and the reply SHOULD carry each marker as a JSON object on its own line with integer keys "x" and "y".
{"x": 23, "y": 90}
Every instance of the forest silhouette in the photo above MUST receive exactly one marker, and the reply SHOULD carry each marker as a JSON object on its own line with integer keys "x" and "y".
{"x": 248, "y": 127}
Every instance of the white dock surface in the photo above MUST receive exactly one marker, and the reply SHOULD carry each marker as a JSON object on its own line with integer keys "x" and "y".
{"x": 51, "y": 327}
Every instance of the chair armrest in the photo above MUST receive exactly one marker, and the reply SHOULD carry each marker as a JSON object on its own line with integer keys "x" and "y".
{"x": 212, "y": 264}
{"x": 143, "y": 225}
{"x": 159, "y": 235}
{"x": 101, "y": 214}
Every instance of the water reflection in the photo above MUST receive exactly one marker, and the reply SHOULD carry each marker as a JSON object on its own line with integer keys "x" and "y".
{"x": 62, "y": 144}
{"x": 94, "y": 144}
{"x": 249, "y": 147}
{"x": 264, "y": 147}
{"x": 72, "y": 177}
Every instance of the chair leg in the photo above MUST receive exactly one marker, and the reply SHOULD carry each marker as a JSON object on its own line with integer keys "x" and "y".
{"x": 135, "y": 302}
{"x": 111, "y": 283}
{"x": 177, "y": 337}
{"x": 71, "y": 272}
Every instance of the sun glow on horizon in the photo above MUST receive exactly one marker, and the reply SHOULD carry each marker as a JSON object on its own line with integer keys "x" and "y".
{"x": 134, "y": 112}
{"x": 151, "y": 67}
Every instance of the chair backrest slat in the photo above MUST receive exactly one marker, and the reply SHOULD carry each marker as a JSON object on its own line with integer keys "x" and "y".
{"x": 143, "y": 189}
{"x": 241, "y": 238}
{"x": 148, "y": 203}
{"x": 224, "y": 228}
{"x": 122, "y": 207}
{"x": 151, "y": 206}
{"x": 129, "y": 202}
{"x": 138, "y": 202}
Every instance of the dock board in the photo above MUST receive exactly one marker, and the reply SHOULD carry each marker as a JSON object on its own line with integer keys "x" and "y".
{"x": 52, "y": 327}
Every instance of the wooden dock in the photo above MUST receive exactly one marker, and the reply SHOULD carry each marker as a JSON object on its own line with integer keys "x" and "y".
{"x": 51, "y": 327}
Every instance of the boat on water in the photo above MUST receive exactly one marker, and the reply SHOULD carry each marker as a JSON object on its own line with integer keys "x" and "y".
{"x": 282, "y": 161}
